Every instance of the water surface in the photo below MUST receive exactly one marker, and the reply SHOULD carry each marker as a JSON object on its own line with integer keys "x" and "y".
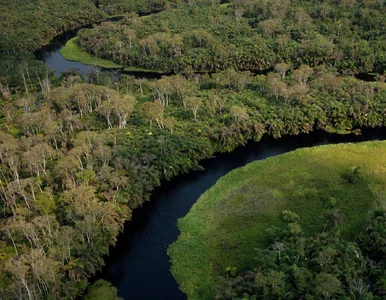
{"x": 139, "y": 265}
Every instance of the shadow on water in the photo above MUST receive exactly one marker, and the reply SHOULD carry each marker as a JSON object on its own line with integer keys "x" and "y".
{"x": 138, "y": 265}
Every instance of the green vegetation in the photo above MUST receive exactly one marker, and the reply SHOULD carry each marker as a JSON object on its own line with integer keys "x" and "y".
{"x": 232, "y": 218}
{"x": 322, "y": 266}
{"x": 79, "y": 157}
{"x": 28, "y": 25}
{"x": 73, "y": 52}
{"x": 113, "y": 7}
{"x": 79, "y": 153}
{"x": 248, "y": 35}
{"x": 135, "y": 69}
{"x": 101, "y": 290}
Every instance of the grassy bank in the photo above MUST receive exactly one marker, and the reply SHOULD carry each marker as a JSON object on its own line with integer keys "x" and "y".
{"x": 231, "y": 218}
{"x": 73, "y": 52}
{"x": 136, "y": 69}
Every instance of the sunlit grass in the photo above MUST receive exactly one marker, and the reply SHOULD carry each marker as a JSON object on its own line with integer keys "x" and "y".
{"x": 231, "y": 218}
{"x": 73, "y": 52}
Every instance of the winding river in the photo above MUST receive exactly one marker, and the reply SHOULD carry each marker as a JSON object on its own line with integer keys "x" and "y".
{"x": 139, "y": 265}
{"x": 50, "y": 54}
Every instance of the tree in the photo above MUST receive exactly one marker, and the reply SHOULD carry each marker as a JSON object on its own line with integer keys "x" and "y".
{"x": 183, "y": 87}
{"x": 101, "y": 290}
{"x": 239, "y": 113}
{"x": 153, "y": 111}
{"x": 123, "y": 107}
{"x": 271, "y": 27}
{"x": 19, "y": 269}
{"x": 37, "y": 158}
{"x": 302, "y": 74}
{"x": 275, "y": 85}
{"x": 193, "y": 103}
{"x": 130, "y": 35}
{"x": 45, "y": 203}
{"x": 219, "y": 101}
{"x": 106, "y": 109}
{"x": 327, "y": 285}
{"x": 282, "y": 69}
{"x": 162, "y": 90}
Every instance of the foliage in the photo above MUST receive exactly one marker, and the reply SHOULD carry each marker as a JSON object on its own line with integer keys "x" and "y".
{"x": 294, "y": 266}
{"x": 116, "y": 7}
{"x": 28, "y": 25}
{"x": 248, "y": 35}
{"x": 243, "y": 210}
{"x": 79, "y": 153}
{"x": 101, "y": 290}
{"x": 72, "y": 52}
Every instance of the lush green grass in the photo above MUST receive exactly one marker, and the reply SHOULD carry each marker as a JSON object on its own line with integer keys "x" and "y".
{"x": 136, "y": 69}
{"x": 73, "y": 52}
{"x": 231, "y": 218}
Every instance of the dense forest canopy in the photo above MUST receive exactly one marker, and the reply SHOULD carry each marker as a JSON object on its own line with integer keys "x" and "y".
{"x": 78, "y": 153}
{"x": 27, "y": 25}
{"x": 248, "y": 35}
{"x": 76, "y": 158}
{"x": 323, "y": 266}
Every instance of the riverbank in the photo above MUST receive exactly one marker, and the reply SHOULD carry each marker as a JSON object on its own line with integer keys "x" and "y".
{"x": 72, "y": 51}
{"x": 231, "y": 218}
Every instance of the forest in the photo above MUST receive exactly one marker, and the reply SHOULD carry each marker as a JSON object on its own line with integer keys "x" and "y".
{"x": 334, "y": 267}
{"x": 78, "y": 153}
{"x": 248, "y": 36}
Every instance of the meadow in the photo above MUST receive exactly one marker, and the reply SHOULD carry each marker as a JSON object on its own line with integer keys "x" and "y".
{"x": 239, "y": 212}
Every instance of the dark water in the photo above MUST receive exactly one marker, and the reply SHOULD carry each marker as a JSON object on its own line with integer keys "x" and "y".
{"x": 138, "y": 265}
{"x": 50, "y": 54}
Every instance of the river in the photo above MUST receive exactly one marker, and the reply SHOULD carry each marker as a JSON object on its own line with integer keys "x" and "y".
{"x": 138, "y": 265}
{"x": 50, "y": 54}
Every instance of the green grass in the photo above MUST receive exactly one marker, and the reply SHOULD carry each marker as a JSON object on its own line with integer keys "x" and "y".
{"x": 231, "y": 218}
{"x": 73, "y": 52}
{"x": 136, "y": 69}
